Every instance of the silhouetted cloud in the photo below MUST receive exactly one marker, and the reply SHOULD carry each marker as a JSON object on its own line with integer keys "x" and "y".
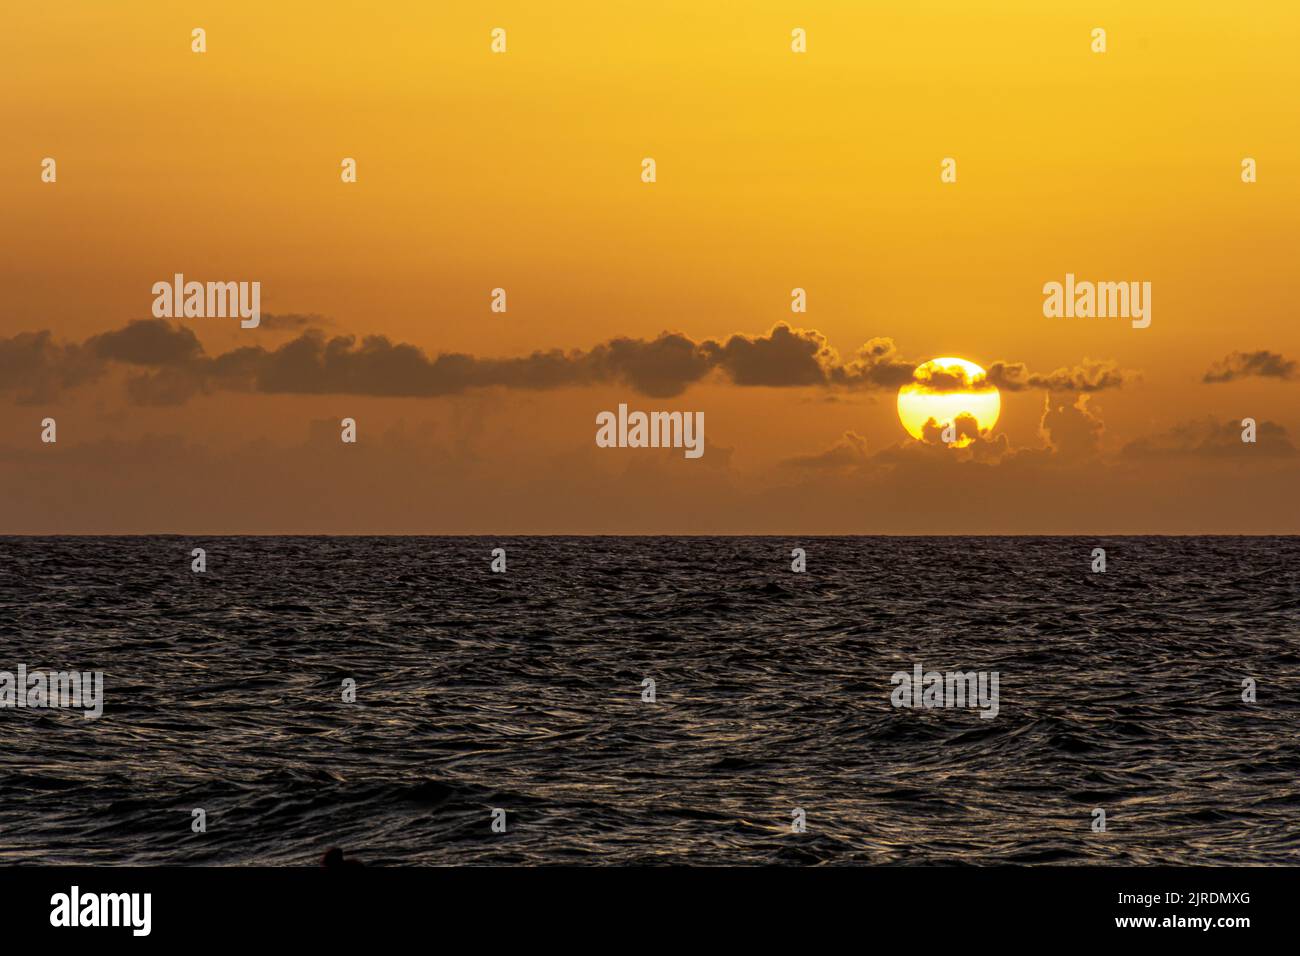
{"x": 173, "y": 366}
{"x": 292, "y": 321}
{"x": 1262, "y": 364}
{"x": 948, "y": 379}
{"x": 1211, "y": 439}
{"x": 849, "y": 451}
{"x": 36, "y": 368}
{"x": 147, "y": 342}
{"x": 1089, "y": 376}
{"x": 876, "y": 364}
{"x": 964, "y": 425}
{"x": 1070, "y": 426}
{"x": 785, "y": 356}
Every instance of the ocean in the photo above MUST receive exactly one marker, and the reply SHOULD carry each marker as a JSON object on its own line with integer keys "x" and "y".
{"x": 525, "y": 692}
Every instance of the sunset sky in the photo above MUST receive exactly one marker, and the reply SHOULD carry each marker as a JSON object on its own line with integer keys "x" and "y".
{"x": 522, "y": 170}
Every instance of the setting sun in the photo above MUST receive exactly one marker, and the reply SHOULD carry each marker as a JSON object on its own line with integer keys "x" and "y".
{"x": 942, "y": 391}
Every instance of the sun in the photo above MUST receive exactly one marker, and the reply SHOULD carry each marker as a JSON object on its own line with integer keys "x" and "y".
{"x": 941, "y": 391}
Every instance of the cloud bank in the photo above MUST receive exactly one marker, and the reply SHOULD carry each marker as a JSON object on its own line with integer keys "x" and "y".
{"x": 1259, "y": 364}
{"x": 168, "y": 365}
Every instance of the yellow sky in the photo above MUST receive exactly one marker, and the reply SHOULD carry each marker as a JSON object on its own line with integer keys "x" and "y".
{"x": 775, "y": 170}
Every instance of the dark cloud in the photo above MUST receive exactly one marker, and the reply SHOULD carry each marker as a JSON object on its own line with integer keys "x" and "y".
{"x": 881, "y": 367}
{"x": 174, "y": 367}
{"x": 964, "y": 425}
{"x": 1089, "y": 376}
{"x": 662, "y": 367}
{"x": 1070, "y": 426}
{"x": 876, "y": 364}
{"x": 36, "y": 368}
{"x": 147, "y": 342}
{"x": 785, "y": 356}
{"x": 951, "y": 379}
{"x": 292, "y": 321}
{"x": 1211, "y": 439}
{"x": 1263, "y": 364}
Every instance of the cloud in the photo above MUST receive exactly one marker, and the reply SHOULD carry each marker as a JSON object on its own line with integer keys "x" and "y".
{"x": 662, "y": 367}
{"x": 964, "y": 425}
{"x": 1089, "y": 376}
{"x": 166, "y": 386}
{"x": 953, "y": 378}
{"x": 172, "y": 365}
{"x": 147, "y": 342}
{"x": 1262, "y": 364}
{"x": 36, "y": 368}
{"x": 1211, "y": 439}
{"x": 292, "y": 321}
{"x": 400, "y": 476}
{"x": 850, "y": 451}
{"x": 875, "y": 365}
{"x": 783, "y": 357}
{"x": 1071, "y": 428}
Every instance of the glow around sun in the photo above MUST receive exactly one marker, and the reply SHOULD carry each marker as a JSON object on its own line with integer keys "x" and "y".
{"x": 941, "y": 391}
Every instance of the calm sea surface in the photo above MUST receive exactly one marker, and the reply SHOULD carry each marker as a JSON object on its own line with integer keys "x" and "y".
{"x": 523, "y": 691}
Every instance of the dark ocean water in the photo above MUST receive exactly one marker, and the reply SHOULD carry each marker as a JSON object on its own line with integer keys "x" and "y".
{"x": 522, "y": 691}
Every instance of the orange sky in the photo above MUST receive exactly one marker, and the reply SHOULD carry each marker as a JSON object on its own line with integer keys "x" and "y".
{"x": 776, "y": 170}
